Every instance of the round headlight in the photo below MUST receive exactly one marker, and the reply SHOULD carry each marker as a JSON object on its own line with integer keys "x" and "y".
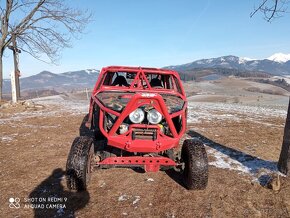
{"x": 154, "y": 117}
{"x": 137, "y": 116}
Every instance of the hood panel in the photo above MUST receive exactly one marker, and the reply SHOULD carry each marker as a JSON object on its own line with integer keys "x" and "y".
{"x": 117, "y": 101}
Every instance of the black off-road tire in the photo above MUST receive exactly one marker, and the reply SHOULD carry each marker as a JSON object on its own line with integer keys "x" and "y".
{"x": 195, "y": 171}
{"x": 80, "y": 163}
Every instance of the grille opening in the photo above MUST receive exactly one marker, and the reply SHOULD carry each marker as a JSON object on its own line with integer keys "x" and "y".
{"x": 177, "y": 121}
{"x": 144, "y": 134}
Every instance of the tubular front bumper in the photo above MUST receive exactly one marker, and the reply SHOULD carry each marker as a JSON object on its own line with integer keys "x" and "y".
{"x": 150, "y": 164}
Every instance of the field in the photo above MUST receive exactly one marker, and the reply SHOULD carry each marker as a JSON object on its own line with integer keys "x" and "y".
{"x": 242, "y": 130}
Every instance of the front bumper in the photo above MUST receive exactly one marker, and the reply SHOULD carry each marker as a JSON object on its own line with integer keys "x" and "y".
{"x": 150, "y": 164}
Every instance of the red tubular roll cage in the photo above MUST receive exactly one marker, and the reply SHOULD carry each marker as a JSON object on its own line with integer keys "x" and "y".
{"x": 144, "y": 96}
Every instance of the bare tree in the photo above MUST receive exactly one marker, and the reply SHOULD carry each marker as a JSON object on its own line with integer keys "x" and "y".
{"x": 284, "y": 159}
{"x": 271, "y": 8}
{"x": 41, "y": 27}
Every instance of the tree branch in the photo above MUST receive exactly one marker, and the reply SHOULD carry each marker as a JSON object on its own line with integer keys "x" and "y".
{"x": 271, "y": 9}
{"x": 47, "y": 28}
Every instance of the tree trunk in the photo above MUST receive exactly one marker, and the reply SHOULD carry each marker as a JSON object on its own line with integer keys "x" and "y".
{"x": 15, "y": 81}
{"x": 284, "y": 160}
{"x": 1, "y": 75}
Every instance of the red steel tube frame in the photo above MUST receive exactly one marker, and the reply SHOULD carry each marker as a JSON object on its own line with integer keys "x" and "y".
{"x": 151, "y": 164}
{"x": 149, "y": 96}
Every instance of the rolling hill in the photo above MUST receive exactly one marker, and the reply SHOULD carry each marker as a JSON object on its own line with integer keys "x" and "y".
{"x": 59, "y": 82}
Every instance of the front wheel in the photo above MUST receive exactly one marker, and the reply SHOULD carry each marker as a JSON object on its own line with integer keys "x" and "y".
{"x": 195, "y": 164}
{"x": 80, "y": 163}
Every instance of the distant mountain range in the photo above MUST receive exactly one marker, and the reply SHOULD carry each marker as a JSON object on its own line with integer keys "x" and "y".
{"x": 278, "y": 64}
{"x": 59, "y": 82}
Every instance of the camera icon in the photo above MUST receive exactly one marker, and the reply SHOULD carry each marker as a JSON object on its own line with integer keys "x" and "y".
{"x": 14, "y": 203}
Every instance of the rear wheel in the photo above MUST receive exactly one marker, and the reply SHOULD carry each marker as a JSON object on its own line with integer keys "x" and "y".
{"x": 195, "y": 164}
{"x": 80, "y": 163}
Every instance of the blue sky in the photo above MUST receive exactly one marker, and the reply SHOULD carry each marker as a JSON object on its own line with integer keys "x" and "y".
{"x": 159, "y": 33}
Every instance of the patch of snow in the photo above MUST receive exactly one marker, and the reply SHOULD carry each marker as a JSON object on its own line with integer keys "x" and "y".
{"x": 123, "y": 197}
{"x": 279, "y": 57}
{"x": 224, "y": 162}
{"x": 243, "y": 60}
{"x": 6, "y": 138}
{"x": 275, "y": 78}
{"x": 209, "y": 60}
{"x": 136, "y": 199}
{"x": 226, "y": 158}
{"x": 76, "y": 106}
{"x": 199, "y": 111}
{"x": 125, "y": 214}
{"x": 248, "y": 59}
{"x": 232, "y": 58}
{"x": 38, "y": 126}
{"x": 59, "y": 104}
{"x": 170, "y": 215}
{"x": 150, "y": 180}
{"x": 91, "y": 71}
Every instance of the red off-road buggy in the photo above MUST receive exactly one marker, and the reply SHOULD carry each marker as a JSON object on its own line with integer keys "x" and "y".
{"x": 137, "y": 118}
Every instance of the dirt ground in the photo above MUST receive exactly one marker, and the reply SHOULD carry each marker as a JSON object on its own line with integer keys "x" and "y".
{"x": 242, "y": 147}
